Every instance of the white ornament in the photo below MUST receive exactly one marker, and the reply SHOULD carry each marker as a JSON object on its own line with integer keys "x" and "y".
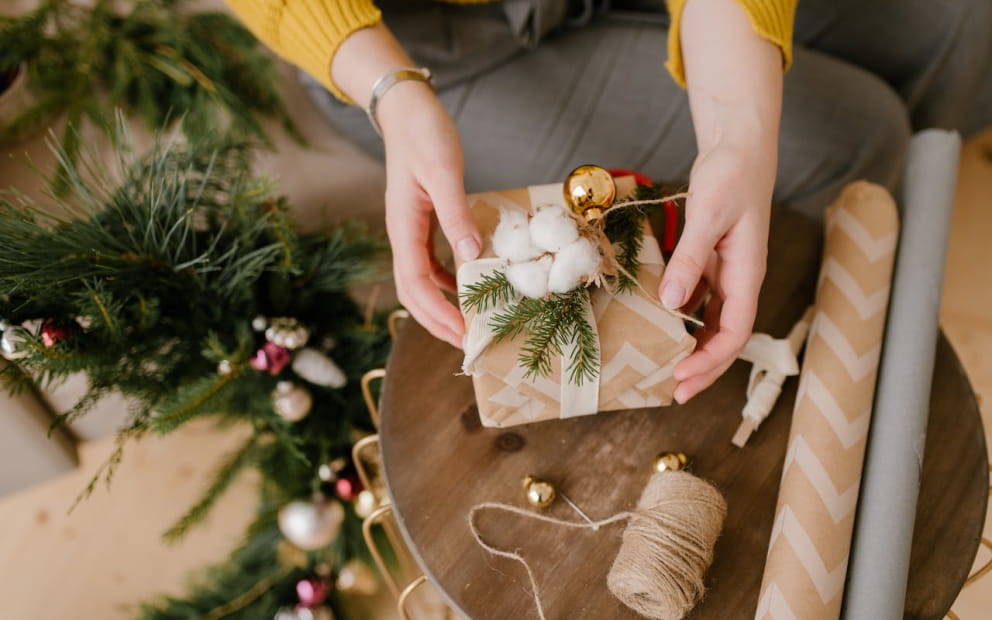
{"x": 356, "y": 576}
{"x": 12, "y": 342}
{"x": 530, "y": 279}
{"x": 574, "y": 264}
{"x": 318, "y": 369}
{"x": 511, "y": 239}
{"x": 292, "y": 402}
{"x": 259, "y": 323}
{"x": 311, "y": 525}
{"x": 365, "y": 503}
{"x": 552, "y": 228}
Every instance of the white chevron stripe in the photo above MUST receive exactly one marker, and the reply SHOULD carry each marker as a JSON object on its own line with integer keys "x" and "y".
{"x": 867, "y": 305}
{"x": 838, "y": 504}
{"x": 528, "y": 407}
{"x": 627, "y": 356}
{"x": 848, "y": 432}
{"x": 828, "y": 583}
{"x": 873, "y": 248}
{"x": 857, "y": 366}
{"x": 773, "y": 603}
{"x": 649, "y": 311}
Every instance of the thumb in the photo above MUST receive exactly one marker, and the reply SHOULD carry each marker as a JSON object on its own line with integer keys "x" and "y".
{"x": 455, "y": 218}
{"x": 686, "y": 266}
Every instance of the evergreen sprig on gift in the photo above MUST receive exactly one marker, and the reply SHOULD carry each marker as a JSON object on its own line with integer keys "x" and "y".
{"x": 155, "y": 59}
{"x": 147, "y": 277}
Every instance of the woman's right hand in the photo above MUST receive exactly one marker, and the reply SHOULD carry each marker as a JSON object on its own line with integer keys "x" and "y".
{"x": 424, "y": 177}
{"x": 424, "y": 187}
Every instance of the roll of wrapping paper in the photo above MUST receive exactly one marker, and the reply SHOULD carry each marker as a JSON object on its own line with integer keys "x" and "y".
{"x": 811, "y": 534}
{"x": 891, "y": 482}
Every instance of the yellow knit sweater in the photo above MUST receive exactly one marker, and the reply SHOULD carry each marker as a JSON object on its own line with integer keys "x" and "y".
{"x": 307, "y": 33}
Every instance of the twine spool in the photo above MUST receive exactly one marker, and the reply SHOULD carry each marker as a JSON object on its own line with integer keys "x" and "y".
{"x": 667, "y": 546}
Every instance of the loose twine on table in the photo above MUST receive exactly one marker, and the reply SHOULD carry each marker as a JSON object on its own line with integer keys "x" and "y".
{"x": 666, "y": 548}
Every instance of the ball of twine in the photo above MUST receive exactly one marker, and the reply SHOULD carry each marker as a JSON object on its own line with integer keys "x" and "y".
{"x": 667, "y": 546}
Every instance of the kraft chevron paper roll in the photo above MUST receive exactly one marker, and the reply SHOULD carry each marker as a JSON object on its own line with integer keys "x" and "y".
{"x": 884, "y": 529}
{"x": 814, "y": 519}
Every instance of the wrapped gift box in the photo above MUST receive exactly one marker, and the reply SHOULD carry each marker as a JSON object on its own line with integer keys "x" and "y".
{"x": 639, "y": 341}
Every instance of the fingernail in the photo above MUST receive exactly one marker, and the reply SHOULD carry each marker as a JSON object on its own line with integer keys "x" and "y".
{"x": 679, "y": 396}
{"x": 468, "y": 248}
{"x": 671, "y": 296}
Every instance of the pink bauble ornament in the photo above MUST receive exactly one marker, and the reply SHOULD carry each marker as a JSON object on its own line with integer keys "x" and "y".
{"x": 312, "y": 592}
{"x": 271, "y": 358}
{"x": 348, "y": 488}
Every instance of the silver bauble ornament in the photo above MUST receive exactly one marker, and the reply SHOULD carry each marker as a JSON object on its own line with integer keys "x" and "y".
{"x": 315, "y": 367}
{"x": 12, "y": 342}
{"x": 292, "y": 402}
{"x": 365, "y": 503}
{"x": 356, "y": 576}
{"x": 259, "y": 323}
{"x": 286, "y": 332}
{"x": 311, "y": 525}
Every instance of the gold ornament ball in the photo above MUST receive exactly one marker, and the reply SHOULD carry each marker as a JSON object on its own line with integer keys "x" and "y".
{"x": 589, "y": 191}
{"x": 670, "y": 461}
{"x": 365, "y": 503}
{"x": 540, "y": 493}
{"x": 292, "y": 402}
{"x": 357, "y": 577}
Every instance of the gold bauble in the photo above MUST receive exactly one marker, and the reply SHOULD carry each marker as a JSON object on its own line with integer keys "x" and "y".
{"x": 589, "y": 191}
{"x": 365, "y": 503}
{"x": 670, "y": 461}
{"x": 358, "y": 578}
{"x": 540, "y": 493}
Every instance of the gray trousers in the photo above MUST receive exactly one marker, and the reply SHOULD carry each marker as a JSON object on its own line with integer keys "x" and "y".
{"x": 531, "y": 102}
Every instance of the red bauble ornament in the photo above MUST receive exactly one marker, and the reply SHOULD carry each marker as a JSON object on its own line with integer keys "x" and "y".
{"x": 54, "y": 331}
{"x": 312, "y": 592}
{"x": 348, "y": 488}
{"x": 271, "y": 358}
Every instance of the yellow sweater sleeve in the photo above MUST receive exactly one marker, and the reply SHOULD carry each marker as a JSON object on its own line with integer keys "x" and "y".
{"x": 307, "y": 33}
{"x": 770, "y": 19}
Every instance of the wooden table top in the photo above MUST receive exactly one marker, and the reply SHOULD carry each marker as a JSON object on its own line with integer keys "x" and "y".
{"x": 438, "y": 462}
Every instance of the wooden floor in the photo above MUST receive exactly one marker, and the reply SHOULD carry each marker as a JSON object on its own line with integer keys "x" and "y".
{"x": 96, "y": 563}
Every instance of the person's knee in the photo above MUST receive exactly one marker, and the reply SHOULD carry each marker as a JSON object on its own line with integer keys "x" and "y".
{"x": 839, "y": 124}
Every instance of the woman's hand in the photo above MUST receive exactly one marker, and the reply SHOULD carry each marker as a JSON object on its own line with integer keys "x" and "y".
{"x": 424, "y": 186}
{"x": 424, "y": 180}
{"x": 734, "y": 80}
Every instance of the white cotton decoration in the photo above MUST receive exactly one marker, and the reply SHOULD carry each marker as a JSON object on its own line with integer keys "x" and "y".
{"x": 511, "y": 239}
{"x": 574, "y": 264}
{"x": 530, "y": 279}
{"x": 317, "y": 368}
{"x": 552, "y": 228}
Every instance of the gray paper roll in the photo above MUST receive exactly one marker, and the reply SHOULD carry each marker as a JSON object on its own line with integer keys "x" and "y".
{"x": 883, "y": 531}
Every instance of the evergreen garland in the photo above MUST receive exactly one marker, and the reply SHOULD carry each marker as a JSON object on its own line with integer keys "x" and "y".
{"x": 153, "y": 58}
{"x": 151, "y": 269}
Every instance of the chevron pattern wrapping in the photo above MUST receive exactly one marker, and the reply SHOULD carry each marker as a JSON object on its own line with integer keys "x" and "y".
{"x": 640, "y": 343}
{"x": 811, "y": 535}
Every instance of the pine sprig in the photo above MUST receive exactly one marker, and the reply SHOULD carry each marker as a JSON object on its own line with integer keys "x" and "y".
{"x": 492, "y": 289}
{"x": 551, "y": 324}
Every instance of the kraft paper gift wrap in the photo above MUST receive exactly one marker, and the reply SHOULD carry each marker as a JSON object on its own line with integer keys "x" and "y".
{"x": 639, "y": 341}
{"x": 814, "y": 520}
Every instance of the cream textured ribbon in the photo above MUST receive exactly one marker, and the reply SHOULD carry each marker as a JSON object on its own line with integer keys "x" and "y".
{"x": 774, "y": 359}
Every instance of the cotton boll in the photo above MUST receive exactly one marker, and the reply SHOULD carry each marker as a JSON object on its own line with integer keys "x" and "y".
{"x": 511, "y": 239}
{"x": 573, "y": 264}
{"x": 530, "y": 279}
{"x": 552, "y": 228}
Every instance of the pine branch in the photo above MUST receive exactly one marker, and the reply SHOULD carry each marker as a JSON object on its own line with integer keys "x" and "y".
{"x": 222, "y": 480}
{"x": 491, "y": 290}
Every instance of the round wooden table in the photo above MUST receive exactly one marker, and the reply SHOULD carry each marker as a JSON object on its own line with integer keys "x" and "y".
{"x": 438, "y": 462}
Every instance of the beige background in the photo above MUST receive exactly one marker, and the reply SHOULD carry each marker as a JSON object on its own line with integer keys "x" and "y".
{"x": 99, "y": 561}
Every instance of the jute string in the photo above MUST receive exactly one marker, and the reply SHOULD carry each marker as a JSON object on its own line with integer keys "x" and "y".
{"x": 666, "y": 548}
